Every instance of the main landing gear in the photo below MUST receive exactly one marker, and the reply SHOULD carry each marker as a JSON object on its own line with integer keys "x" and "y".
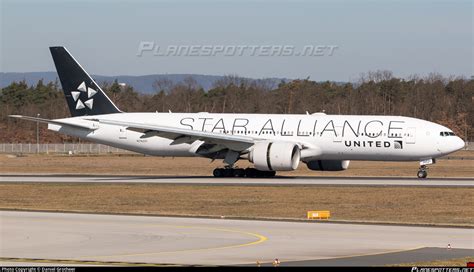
{"x": 230, "y": 171}
{"x": 239, "y": 172}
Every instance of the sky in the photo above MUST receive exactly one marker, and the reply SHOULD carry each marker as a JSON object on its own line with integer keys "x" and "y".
{"x": 406, "y": 37}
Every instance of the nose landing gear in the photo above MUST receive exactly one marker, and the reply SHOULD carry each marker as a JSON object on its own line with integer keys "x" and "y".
{"x": 422, "y": 173}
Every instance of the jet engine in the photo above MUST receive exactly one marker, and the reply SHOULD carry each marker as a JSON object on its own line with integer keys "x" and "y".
{"x": 275, "y": 156}
{"x": 328, "y": 165}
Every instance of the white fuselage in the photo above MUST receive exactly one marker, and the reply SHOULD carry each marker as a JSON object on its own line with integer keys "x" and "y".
{"x": 323, "y": 137}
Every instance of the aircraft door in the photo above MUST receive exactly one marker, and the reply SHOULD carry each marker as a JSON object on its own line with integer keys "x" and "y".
{"x": 123, "y": 133}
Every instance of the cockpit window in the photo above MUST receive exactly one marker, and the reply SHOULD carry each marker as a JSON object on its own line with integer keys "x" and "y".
{"x": 447, "y": 133}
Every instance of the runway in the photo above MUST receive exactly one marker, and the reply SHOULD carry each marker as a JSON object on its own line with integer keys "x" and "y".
{"x": 354, "y": 181}
{"x": 197, "y": 241}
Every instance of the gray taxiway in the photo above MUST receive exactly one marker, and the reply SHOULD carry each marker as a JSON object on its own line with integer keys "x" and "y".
{"x": 198, "y": 241}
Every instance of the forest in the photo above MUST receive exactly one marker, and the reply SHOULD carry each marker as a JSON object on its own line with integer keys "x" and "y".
{"x": 444, "y": 100}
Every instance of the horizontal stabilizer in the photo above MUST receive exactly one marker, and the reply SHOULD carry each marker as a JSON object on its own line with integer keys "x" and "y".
{"x": 55, "y": 122}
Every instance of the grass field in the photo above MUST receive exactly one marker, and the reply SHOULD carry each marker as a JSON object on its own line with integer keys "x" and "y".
{"x": 453, "y": 206}
{"x": 141, "y": 165}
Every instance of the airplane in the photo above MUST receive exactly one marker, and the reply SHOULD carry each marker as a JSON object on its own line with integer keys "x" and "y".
{"x": 272, "y": 142}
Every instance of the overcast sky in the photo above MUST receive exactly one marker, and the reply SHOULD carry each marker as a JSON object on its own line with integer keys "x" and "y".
{"x": 406, "y": 37}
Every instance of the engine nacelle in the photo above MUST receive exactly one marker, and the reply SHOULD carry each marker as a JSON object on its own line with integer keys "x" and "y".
{"x": 275, "y": 156}
{"x": 328, "y": 165}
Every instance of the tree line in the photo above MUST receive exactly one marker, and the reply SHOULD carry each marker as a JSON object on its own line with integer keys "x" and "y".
{"x": 444, "y": 100}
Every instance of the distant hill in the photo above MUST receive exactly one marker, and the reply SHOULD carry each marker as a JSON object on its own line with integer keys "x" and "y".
{"x": 143, "y": 84}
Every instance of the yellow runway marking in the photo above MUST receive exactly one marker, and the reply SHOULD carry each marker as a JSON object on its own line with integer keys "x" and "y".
{"x": 260, "y": 239}
{"x": 79, "y": 262}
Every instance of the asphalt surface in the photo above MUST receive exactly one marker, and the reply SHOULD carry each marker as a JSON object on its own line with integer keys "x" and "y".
{"x": 198, "y": 241}
{"x": 356, "y": 181}
{"x": 425, "y": 254}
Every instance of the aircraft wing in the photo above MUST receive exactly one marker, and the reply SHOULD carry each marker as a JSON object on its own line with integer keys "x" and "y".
{"x": 55, "y": 122}
{"x": 179, "y": 135}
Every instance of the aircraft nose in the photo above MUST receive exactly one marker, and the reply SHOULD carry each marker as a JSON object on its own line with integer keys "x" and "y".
{"x": 458, "y": 144}
{"x": 450, "y": 144}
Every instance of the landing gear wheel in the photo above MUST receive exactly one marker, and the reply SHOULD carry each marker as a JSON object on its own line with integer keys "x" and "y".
{"x": 255, "y": 173}
{"x": 228, "y": 172}
{"x": 270, "y": 174}
{"x": 251, "y": 172}
{"x": 239, "y": 173}
{"x": 422, "y": 174}
{"x": 218, "y": 172}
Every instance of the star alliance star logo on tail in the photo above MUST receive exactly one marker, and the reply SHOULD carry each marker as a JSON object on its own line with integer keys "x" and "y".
{"x": 82, "y": 88}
